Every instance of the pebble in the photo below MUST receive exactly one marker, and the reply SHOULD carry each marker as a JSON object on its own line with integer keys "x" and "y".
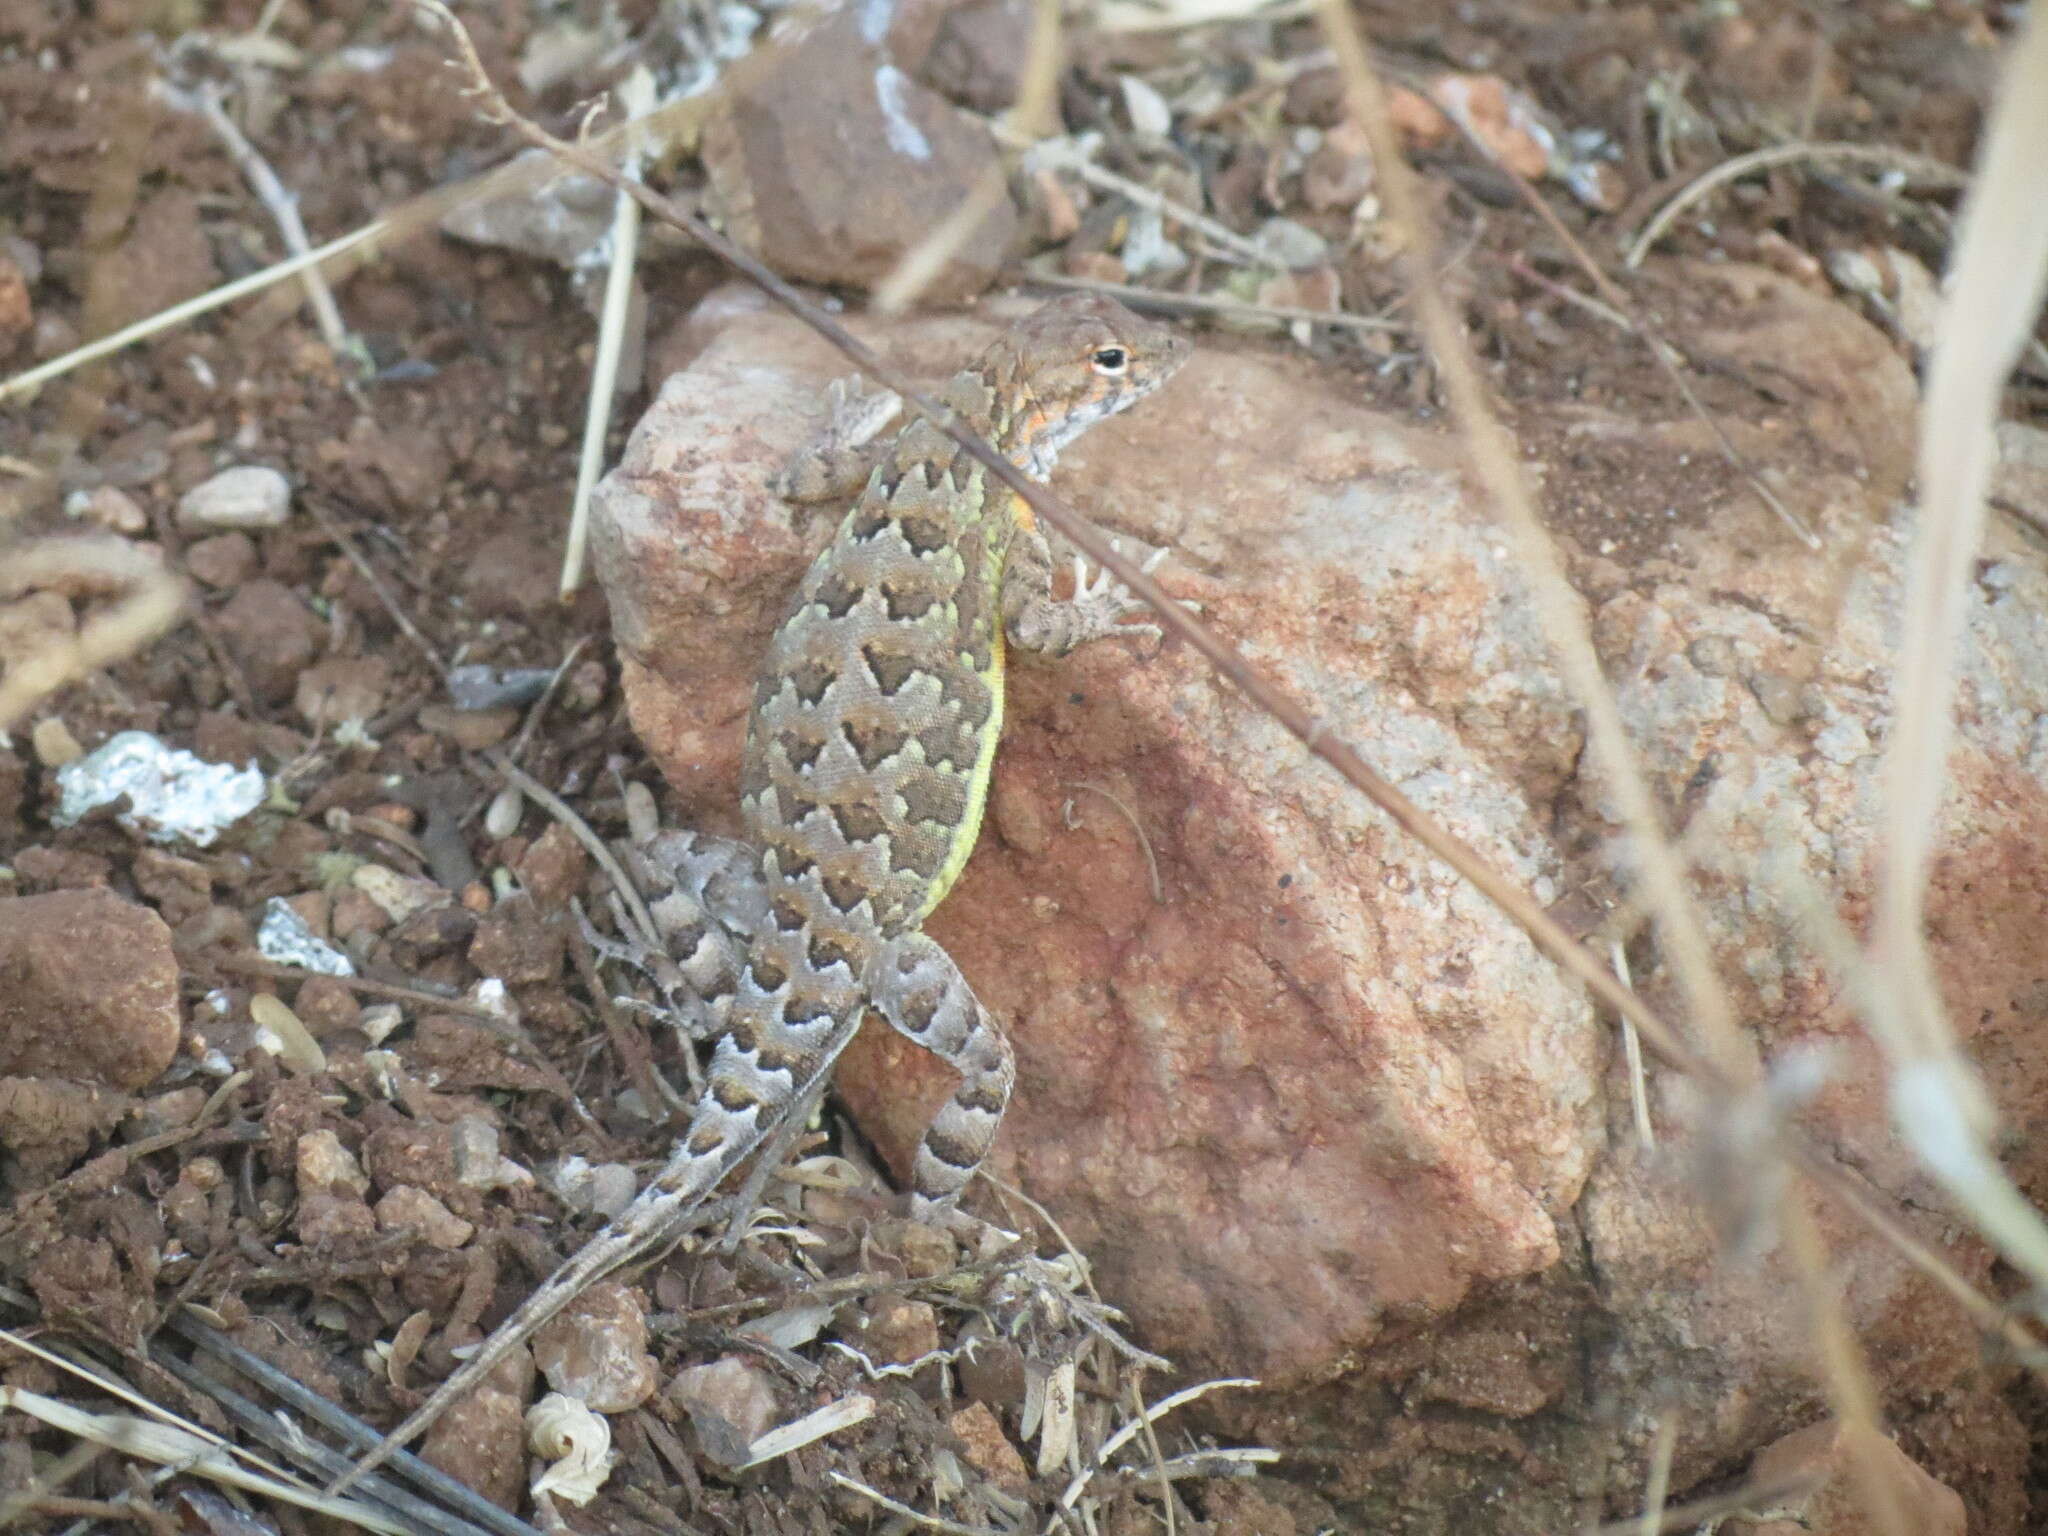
{"x": 54, "y": 744}
{"x": 91, "y": 989}
{"x": 596, "y": 1350}
{"x": 109, "y": 506}
{"x": 408, "y": 1209}
{"x": 247, "y": 496}
{"x": 223, "y": 561}
{"x": 731, "y": 1404}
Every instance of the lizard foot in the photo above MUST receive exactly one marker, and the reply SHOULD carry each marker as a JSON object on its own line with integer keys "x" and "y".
{"x": 1101, "y": 603}
{"x": 838, "y": 459}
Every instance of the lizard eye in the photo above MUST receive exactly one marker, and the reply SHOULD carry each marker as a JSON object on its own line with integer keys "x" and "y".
{"x": 1110, "y": 360}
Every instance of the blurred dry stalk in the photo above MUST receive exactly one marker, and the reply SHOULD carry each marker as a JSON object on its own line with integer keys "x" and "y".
{"x": 1998, "y": 277}
{"x": 1038, "y": 80}
{"x": 152, "y": 603}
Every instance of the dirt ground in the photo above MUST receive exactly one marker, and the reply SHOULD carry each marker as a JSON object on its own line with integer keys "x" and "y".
{"x": 429, "y": 497}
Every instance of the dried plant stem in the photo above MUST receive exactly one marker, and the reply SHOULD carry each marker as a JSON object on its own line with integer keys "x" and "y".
{"x": 284, "y": 208}
{"x": 1888, "y": 157}
{"x": 636, "y": 95}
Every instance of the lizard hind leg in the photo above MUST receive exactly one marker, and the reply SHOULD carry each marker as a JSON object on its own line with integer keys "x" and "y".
{"x": 914, "y": 984}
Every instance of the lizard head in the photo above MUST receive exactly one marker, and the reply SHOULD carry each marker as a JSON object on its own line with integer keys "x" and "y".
{"x": 1069, "y": 364}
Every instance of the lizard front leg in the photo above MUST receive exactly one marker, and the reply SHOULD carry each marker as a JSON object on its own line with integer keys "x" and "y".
{"x": 1037, "y": 621}
{"x": 915, "y": 985}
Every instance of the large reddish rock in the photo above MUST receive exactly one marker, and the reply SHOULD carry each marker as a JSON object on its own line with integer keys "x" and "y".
{"x": 88, "y": 989}
{"x": 1313, "y": 1111}
{"x": 1275, "y": 1111}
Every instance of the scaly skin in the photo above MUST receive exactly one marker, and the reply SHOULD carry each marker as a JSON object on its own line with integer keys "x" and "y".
{"x": 869, "y": 747}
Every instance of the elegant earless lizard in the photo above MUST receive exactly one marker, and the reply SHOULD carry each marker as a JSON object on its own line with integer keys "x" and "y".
{"x": 869, "y": 746}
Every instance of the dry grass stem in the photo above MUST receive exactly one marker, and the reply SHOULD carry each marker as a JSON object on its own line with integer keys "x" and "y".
{"x": 1038, "y": 82}
{"x": 916, "y": 1517}
{"x": 1997, "y": 280}
{"x": 283, "y": 207}
{"x": 1936, "y": 173}
{"x": 636, "y": 96}
{"x": 1215, "y": 304}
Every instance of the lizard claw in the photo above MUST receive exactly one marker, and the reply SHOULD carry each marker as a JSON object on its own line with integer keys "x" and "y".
{"x": 1106, "y": 600}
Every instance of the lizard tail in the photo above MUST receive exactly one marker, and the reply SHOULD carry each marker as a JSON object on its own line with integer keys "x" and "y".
{"x": 656, "y": 1214}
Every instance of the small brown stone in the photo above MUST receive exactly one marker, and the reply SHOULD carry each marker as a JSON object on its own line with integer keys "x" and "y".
{"x": 223, "y": 561}
{"x": 895, "y": 1330}
{"x": 516, "y": 943}
{"x": 988, "y": 1449}
{"x": 470, "y": 729}
{"x": 88, "y": 989}
{"x": 342, "y": 688}
{"x": 731, "y": 1404}
{"x": 272, "y": 636}
{"x": 481, "y": 1439}
{"x": 596, "y": 1349}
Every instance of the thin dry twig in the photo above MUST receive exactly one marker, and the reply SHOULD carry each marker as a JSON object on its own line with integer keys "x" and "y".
{"x": 1137, "y": 831}
{"x": 914, "y": 1516}
{"x": 284, "y": 208}
{"x": 1937, "y": 172}
{"x": 1215, "y": 304}
{"x": 636, "y": 97}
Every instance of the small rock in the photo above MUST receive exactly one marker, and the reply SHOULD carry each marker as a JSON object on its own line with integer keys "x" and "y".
{"x": 181, "y": 888}
{"x": 836, "y": 166}
{"x": 406, "y": 1209}
{"x": 170, "y": 1111}
{"x": 325, "y": 1216}
{"x": 604, "y": 1189}
{"x": 324, "y": 1163}
{"x": 109, "y": 506}
{"x": 327, "y": 1007}
{"x": 47, "y": 1125}
{"x": 471, "y": 729}
{"x": 397, "y": 896}
{"x": 554, "y": 868}
{"x": 247, "y": 496}
{"x": 342, "y": 688}
{"x": 481, "y": 1439}
{"x": 223, "y": 561}
{"x": 895, "y": 1331}
{"x": 91, "y": 989}
{"x": 54, "y": 744}
{"x": 1836, "y": 1507}
{"x": 988, "y": 1449}
{"x": 731, "y": 1404}
{"x": 994, "y": 1373}
{"x": 272, "y": 636}
{"x": 596, "y": 1350}
{"x": 516, "y": 943}
{"x": 476, "y": 1153}
{"x": 331, "y": 1189}
{"x": 17, "y": 318}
